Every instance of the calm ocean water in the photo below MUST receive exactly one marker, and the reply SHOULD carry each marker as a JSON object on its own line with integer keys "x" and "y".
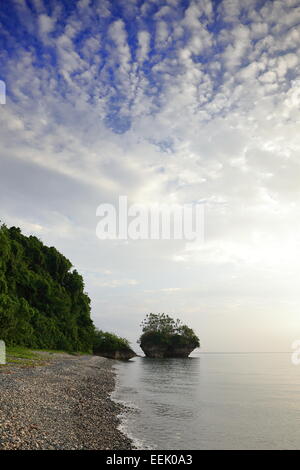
{"x": 212, "y": 401}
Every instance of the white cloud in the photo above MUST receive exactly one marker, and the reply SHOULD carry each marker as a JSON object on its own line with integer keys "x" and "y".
{"x": 162, "y": 32}
{"x": 215, "y": 119}
{"x": 118, "y": 34}
{"x": 46, "y": 24}
{"x": 268, "y": 77}
{"x": 144, "y": 45}
{"x": 115, "y": 283}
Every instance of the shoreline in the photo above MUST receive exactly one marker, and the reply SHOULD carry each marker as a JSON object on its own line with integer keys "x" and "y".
{"x": 125, "y": 408}
{"x": 64, "y": 404}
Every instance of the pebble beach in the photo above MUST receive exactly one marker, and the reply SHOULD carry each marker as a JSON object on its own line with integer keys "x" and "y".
{"x": 63, "y": 404}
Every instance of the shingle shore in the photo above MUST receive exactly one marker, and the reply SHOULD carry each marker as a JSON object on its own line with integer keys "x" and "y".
{"x": 62, "y": 405}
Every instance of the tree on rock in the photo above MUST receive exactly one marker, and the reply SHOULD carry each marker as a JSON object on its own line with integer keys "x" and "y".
{"x": 165, "y": 337}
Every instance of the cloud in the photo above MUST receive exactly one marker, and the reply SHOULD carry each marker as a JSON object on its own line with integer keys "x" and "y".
{"x": 114, "y": 283}
{"x": 144, "y": 45}
{"x": 163, "y": 103}
{"x": 162, "y": 33}
{"x": 46, "y": 24}
{"x": 118, "y": 34}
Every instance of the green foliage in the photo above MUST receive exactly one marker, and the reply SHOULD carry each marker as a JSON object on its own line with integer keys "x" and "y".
{"x": 42, "y": 301}
{"x": 161, "y": 329}
{"x": 108, "y": 342}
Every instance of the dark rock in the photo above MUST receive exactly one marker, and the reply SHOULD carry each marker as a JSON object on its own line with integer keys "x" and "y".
{"x": 161, "y": 351}
{"x": 120, "y": 354}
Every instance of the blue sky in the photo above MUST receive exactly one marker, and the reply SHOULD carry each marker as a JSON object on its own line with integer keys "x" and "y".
{"x": 173, "y": 101}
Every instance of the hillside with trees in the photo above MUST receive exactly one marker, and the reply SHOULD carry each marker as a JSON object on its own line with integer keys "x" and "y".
{"x": 42, "y": 299}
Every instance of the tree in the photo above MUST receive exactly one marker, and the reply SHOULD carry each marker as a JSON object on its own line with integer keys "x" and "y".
{"x": 108, "y": 342}
{"x": 161, "y": 329}
{"x": 42, "y": 301}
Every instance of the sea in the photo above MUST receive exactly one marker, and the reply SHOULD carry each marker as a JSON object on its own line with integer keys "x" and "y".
{"x": 211, "y": 401}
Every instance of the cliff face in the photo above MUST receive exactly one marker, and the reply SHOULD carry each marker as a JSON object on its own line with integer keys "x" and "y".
{"x": 161, "y": 351}
{"x": 119, "y": 354}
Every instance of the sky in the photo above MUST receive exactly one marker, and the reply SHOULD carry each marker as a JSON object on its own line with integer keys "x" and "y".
{"x": 176, "y": 101}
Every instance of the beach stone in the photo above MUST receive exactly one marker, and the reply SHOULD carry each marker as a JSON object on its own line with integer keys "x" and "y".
{"x": 65, "y": 404}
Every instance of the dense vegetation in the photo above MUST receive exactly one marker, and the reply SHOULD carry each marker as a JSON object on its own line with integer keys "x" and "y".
{"x": 162, "y": 330}
{"x": 109, "y": 342}
{"x": 42, "y": 299}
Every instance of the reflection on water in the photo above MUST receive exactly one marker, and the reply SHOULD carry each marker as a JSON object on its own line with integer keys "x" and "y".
{"x": 213, "y": 401}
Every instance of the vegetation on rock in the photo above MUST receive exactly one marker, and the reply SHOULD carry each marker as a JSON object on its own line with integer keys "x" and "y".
{"x": 110, "y": 345}
{"x": 165, "y": 337}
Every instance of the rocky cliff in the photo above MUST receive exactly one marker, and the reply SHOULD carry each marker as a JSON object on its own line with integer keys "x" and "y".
{"x": 162, "y": 351}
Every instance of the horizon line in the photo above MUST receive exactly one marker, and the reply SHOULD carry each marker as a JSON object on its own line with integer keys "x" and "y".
{"x": 245, "y": 352}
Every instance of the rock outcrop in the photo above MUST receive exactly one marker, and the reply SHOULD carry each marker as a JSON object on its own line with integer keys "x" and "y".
{"x": 163, "y": 351}
{"x": 165, "y": 337}
{"x": 120, "y": 354}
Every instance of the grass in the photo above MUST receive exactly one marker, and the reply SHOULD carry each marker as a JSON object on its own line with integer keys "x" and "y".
{"x": 72, "y": 353}
{"x": 26, "y": 357}
{"x": 20, "y": 352}
{"x": 23, "y": 357}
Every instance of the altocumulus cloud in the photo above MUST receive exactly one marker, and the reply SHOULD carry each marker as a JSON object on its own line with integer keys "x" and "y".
{"x": 174, "y": 101}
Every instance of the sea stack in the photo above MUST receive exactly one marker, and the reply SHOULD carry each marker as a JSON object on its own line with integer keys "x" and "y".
{"x": 164, "y": 337}
{"x": 160, "y": 351}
